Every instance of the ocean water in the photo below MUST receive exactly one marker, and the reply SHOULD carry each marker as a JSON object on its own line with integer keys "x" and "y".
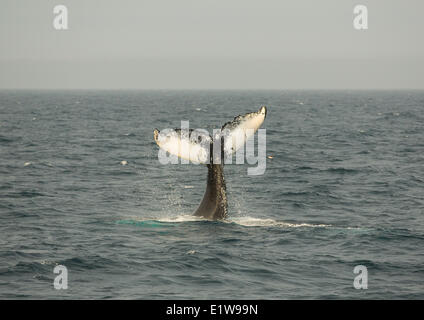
{"x": 344, "y": 188}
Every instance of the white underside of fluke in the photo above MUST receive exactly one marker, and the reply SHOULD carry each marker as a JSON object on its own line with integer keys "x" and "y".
{"x": 241, "y": 129}
{"x": 184, "y": 145}
{"x": 195, "y": 145}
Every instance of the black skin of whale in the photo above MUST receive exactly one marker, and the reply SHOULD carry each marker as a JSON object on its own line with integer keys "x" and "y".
{"x": 214, "y": 203}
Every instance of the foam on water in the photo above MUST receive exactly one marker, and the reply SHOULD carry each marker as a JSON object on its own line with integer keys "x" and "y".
{"x": 258, "y": 222}
{"x": 242, "y": 221}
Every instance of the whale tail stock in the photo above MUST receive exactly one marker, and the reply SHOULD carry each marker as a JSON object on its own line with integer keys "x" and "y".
{"x": 198, "y": 146}
{"x": 214, "y": 203}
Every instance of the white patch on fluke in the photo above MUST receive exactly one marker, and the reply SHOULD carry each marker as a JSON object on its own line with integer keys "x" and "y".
{"x": 238, "y": 131}
{"x": 184, "y": 145}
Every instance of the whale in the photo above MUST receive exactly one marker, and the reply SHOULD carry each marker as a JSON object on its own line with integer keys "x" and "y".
{"x": 200, "y": 147}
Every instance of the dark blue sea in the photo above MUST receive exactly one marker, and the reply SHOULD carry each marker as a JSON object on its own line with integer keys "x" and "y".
{"x": 343, "y": 186}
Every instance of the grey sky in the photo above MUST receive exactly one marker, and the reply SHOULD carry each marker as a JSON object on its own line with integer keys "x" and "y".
{"x": 231, "y": 44}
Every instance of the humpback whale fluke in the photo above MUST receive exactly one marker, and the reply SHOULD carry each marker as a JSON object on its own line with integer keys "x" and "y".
{"x": 198, "y": 146}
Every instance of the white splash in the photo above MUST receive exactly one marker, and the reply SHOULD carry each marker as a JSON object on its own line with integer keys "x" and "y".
{"x": 242, "y": 221}
{"x": 181, "y": 218}
{"x": 258, "y": 222}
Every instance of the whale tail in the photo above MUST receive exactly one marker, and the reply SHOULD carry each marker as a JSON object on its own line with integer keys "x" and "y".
{"x": 197, "y": 146}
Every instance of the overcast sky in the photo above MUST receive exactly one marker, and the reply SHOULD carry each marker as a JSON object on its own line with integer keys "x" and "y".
{"x": 212, "y": 44}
